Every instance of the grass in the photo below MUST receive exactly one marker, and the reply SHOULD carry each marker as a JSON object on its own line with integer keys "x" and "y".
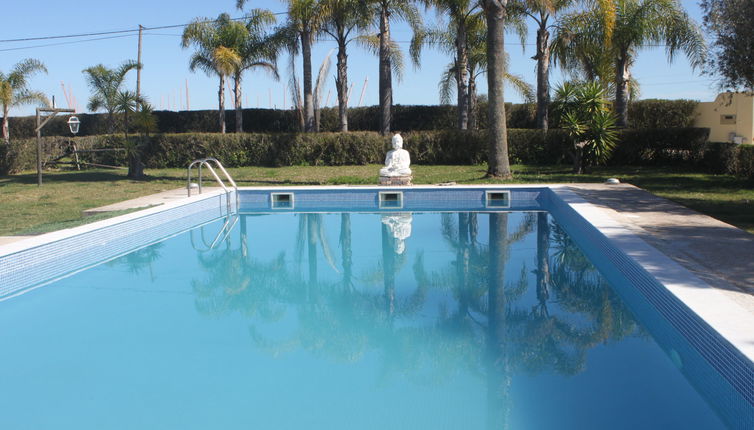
{"x": 27, "y": 209}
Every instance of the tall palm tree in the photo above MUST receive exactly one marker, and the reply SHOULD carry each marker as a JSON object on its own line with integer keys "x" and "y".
{"x": 343, "y": 19}
{"x": 543, "y": 13}
{"x": 584, "y": 39}
{"x": 218, "y": 44}
{"x": 305, "y": 19}
{"x": 388, "y": 51}
{"x": 498, "y": 165}
{"x": 14, "y": 90}
{"x": 461, "y": 15}
{"x": 258, "y": 50}
{"x": 105, "y": 85}
{"x": 476, "y": 61}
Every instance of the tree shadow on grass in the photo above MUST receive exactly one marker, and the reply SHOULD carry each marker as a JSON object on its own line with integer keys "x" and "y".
{"x": 80, "y": 176}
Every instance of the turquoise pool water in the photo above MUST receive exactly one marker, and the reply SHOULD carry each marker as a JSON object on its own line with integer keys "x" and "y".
{"x": 345, "y": 320}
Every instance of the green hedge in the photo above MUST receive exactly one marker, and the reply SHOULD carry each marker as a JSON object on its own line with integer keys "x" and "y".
{"x": 655, "y": 113}
{"x": 405, "y": 118}
{"x": 642, "y": 114}
{"x": 726, "y": 157}
{"x": 635, "y": 147}
{"x": 660, "y": 146}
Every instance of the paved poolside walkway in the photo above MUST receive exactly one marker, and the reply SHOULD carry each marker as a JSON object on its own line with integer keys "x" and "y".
{"x": 716, "y": 252}
{"x": 142, "y": 202}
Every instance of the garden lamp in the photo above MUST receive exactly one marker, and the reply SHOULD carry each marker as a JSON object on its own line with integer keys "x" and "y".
{"x": 73, "y": 124}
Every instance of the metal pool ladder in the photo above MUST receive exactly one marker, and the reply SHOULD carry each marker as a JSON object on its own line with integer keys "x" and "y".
{"x": 207, "y": 162}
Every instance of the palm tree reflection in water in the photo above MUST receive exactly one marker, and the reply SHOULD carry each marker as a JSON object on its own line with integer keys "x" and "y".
{"x": 497, "y": 317}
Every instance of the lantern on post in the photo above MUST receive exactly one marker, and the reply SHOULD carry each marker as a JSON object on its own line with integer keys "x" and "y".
{"x": 73, "y": 124}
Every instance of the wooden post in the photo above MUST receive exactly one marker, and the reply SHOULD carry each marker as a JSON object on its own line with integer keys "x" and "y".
{"x": 53, "y": 111}
{"x": 75, "y": 155}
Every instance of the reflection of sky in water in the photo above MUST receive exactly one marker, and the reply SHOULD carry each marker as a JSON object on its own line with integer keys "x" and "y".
{"x": 315, "y": 321}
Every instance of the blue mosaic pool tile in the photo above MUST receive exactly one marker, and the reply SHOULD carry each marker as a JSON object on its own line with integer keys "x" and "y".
{"x": 357, "y": 200}
{"x": 672, "y": 318}
{"x": 34, "y": 266}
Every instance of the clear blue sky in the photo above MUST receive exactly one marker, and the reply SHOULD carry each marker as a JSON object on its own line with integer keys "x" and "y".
{"x": 166, "y": 64}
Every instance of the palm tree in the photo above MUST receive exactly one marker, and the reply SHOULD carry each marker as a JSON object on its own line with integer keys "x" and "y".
{"x": 586, "y": 117}
{"x": 462, "y": 14}
{"x": 305, "y": 19}
{"x": 498, "y": 165}
{"x": 342, "y": 19}
{"x": 388, "y": 50}
{"x": 218, "y": 44}
{"x": 257, "y": 51}
{"x": 106, "y": 85}
{"x": 584, "y": 37}
{"x": 14, "y": 90}
{"x": 127, "y": 103}
{"x": 145, "y": 120}
{"x": 543, "y": 13}
{"x": 476, "y": 62}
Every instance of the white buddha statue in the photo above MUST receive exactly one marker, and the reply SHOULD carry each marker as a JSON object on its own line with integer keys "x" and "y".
{"x": 400, "y": 227}
{"x": 397, "y": 159}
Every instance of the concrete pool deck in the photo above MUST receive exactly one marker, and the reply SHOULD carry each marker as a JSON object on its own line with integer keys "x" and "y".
{"x": 717, "y": 253}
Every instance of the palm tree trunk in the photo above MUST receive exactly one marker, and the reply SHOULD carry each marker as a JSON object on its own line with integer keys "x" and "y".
{"x": 472, "y": 103}
{"x": 386, "y": 85}
{"x": 346, "y": 251}
{"x": 497, "y": 160}
{"x": 543, "y": 260}
{"x": 543, "y": 76}
{"x": 6, "y": 129}
{"x": 306, "y": 52}
{"x": 111, "y": 121}
{"x": 462, "y": 77}
{"x": 388, "y": 264}
{"x": 221, "y": 104}
{"x": 496, "y": 360}
{"x": 238, "y": 107}
{"x": 622, "y": 78}
{"x": 341, "y": 82}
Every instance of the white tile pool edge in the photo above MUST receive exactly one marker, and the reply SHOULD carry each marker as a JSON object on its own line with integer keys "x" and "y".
{"x": 46, "y": 238}
{"x": 729, "y": 319}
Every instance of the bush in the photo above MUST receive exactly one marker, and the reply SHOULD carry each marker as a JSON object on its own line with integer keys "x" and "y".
{"x": 635, "y": 147}
{"x": 727, "y": 157}
{"x": 405, "y": 118}
{"x": 642, "y": 114}
{"x": 659, "y": 146}
{"x": 654, "y": 113}
{"x": 745, "y": 163}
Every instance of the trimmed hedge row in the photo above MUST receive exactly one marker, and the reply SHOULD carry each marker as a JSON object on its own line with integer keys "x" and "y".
{"x": 642, "y": 114}
{"x": 635, "y": 147}
{"x": 726, "y": 157}
{"x": 657, "y": 113}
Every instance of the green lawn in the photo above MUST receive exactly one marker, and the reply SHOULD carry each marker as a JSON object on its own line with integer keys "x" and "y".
{"x": 27, "y": 209}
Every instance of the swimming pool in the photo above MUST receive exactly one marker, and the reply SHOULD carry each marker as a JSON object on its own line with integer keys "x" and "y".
{"x": 451, "y": 308}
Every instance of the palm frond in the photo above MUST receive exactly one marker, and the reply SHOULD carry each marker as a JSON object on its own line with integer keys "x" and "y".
{"x": 28, "y": 97}
{"x": 319, "y": 85}
{"x": 24, "y": 70}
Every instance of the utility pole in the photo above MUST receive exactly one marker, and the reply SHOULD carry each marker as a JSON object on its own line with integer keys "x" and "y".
{"x": 138, "y": 70}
